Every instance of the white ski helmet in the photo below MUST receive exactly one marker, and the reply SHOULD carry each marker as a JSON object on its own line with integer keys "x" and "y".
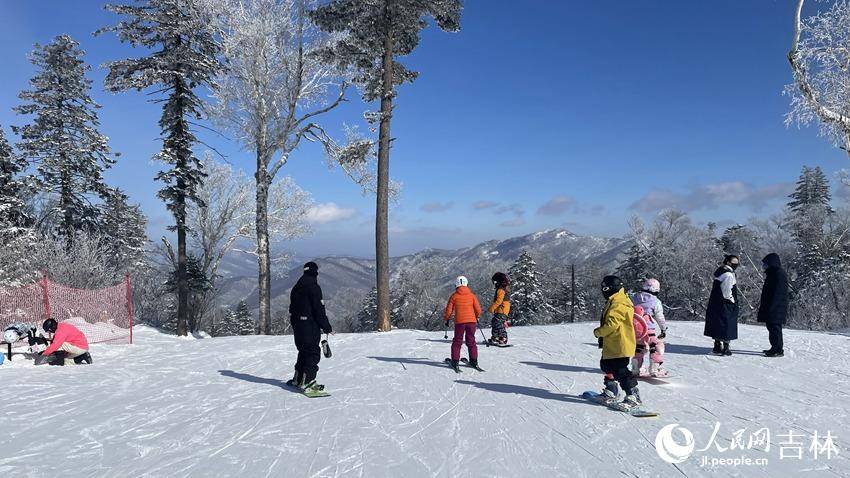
{"x": 461, "y": 281}
{"x": 11, "y": 336}
{"x": 652, "y": 286}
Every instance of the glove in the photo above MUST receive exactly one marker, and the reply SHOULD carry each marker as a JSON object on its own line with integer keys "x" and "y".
{"x": 662, "y": 335}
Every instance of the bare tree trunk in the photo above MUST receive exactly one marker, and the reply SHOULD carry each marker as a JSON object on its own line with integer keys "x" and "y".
{"x": 382, "y": 248}
{"x": 65, "y": 204}
{"x": 263, "y": 259}
{"x": 180, "y": 216}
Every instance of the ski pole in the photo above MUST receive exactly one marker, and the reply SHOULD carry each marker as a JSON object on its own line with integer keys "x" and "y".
{"x": 486, "y": 342}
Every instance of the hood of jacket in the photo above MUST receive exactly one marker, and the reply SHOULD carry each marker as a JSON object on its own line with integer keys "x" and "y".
{"x": 772, "y": 261}
{"x": 463, "y": 290}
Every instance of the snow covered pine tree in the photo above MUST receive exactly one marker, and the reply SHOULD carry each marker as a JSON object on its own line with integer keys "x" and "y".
{"x": 183, "y": 57}
{"x": 378, "y": 33}
{"x": 62, "y": 142}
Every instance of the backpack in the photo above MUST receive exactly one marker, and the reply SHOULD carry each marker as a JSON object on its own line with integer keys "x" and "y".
{"x": 641, "y": 321}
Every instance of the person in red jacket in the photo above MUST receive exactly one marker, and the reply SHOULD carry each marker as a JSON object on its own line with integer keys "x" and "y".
{"x": 465, "y": 307}
{"x": 68, "y": 342}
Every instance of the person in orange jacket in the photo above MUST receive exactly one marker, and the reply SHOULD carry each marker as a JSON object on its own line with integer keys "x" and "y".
{"x": 500, "y": 309}
{"x": 464, "y": 306}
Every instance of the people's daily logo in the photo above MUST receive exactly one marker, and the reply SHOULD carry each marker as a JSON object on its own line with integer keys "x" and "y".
{"x": 669, "y": 449}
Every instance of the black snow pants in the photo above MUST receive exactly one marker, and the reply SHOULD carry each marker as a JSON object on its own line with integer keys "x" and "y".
{"x": 619, "y": 369}
{"x": 307, "y": 335}
{"x": 774, "y": 331}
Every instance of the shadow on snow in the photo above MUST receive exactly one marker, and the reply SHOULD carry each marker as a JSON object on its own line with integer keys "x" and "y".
{"x": 528, "y": 391}
{"x": 254, "y": 379}
{"x": 411, "y": 361}
{"x": 563, "y": 368}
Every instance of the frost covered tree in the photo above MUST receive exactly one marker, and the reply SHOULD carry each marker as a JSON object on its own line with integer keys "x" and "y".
{"x": 366, "y": 318}
{"x": 245, "y": 324}
{"x": 635, "y": 267}
{"x": 224, "y": 219}
{"x": 62, "y": 140}
{"x": 570, "y": 302}
{"x": 13, "y": 214}
{"x": 377, "y": 32}
{"x": 182, "y": 57}
{"x": 124, "y": 226}
{"x": 270, "y": 97}
{"x": 820, "y": 62}
{"x": 808, "y": 212}
{"x": 529, "y": 303}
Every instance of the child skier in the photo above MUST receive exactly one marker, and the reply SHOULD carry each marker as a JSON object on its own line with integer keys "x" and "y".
{"x": 465, "y": 307}
{"x": 500, "y": 309}
{"x": 653, "y": 342}
{"x": 617, "y": 340}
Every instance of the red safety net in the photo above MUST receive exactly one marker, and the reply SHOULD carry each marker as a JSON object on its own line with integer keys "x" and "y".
{"x": 103, "y": 315}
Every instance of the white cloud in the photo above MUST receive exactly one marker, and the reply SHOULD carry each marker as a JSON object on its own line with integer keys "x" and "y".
{"x": 712, "y": 196}
{"x": 329, "y": 212}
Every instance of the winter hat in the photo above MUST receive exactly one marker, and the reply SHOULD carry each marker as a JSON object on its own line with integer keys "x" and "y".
{"x": 461, "y": 281}
{"x": 311, "y": 269}
{"x": 611, "y": 285}
{"x": 500, "y": 279}
{"x": 652, "y": 286}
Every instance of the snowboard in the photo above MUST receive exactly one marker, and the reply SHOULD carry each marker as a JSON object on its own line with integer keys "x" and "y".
{"x": 310, "y": 393}
{"x": 449, "y": 363}
{"x": 501, "y": 346}
{"x": 637, "y": 412}
{"x": 465, "y": 361}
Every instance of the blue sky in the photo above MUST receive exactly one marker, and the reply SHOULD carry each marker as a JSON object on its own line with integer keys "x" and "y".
{"x": 549, "y": 114}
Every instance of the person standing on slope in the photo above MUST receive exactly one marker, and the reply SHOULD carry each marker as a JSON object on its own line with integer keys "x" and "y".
{"x": 464, "y": 306}
{"x": 648, "y": 299}
{"x": 500, "y": 309}
{"x": 721, "y": 315}
{"x": 616, "y": 335}
{"x": 773, "y": 308}
{"x": 309, "y": 320}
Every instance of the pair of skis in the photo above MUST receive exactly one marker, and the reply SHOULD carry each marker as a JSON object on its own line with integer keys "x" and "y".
{"x": 464, "y": 361}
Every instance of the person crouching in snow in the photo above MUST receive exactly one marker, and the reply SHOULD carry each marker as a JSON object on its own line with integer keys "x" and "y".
{"x": 464, "y": 306}
{"x": 617, "y": 339}
{"x": 653, "y": 342}
{"x": 500, "y": 309}
{"x": 68, "y": 343}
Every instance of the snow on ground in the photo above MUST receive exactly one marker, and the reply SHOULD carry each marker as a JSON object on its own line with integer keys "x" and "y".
{"x": 215, "y": 407}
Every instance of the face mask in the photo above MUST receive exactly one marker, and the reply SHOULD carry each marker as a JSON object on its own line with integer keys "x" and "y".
{"x": 734, "y": 265}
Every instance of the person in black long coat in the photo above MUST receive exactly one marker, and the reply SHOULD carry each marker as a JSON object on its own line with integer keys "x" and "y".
{"x": 309, "y": 320}
{"x": 721, "y": 315}
{"x": 773, "y": 308}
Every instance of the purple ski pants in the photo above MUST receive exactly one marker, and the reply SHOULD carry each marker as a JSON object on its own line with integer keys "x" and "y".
{"x": 469, "y": 330}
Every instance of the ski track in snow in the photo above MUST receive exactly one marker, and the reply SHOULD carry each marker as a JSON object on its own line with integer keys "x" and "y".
{"x": 218, "y": 407}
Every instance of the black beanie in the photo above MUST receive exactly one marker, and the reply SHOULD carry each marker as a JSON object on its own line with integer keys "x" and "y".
{"x": 311, "y": 269}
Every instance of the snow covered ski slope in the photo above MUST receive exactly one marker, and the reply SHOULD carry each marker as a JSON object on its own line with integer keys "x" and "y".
{"x": 218, "y": 407}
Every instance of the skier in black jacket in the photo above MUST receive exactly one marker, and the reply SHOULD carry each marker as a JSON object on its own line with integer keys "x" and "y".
{"x": 773, "y": 308}
{"x": 309, "y": 320}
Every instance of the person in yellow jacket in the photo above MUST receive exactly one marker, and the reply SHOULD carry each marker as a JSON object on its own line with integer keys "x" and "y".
{"x": 617, "y": 339}
{"x": 500, "y": 309}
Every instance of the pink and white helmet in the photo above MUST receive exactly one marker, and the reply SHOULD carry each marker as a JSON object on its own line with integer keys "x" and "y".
{"x": 652, "y": 286}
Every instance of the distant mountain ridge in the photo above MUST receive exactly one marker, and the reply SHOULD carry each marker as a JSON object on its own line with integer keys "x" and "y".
{"x": 346, "y": 280}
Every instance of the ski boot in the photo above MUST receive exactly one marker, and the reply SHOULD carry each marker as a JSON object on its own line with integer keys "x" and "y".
{"x": 314, "y": 390}
{"x": 296, "y": 380}
{"x": 717, "y": 350}
{"x": 611, "y": 391}
{"x": 632, "y": 399}
{"x": 474, "y": 364}
{"x": 56, "y": 358}
{"x": 726, "y": 350}
{"x": 454, "y": 364}
{"x": 775, "y": 353}
{"x": 83, "y": 359}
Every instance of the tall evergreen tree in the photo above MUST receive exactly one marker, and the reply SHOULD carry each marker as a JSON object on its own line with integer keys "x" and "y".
{"x": 380, "y": 31}
{"x": 244, "y": 321}
{"x": 809, "y": 209}
{"x": 366, "y": 318}
{"x": 183, "y": 58}
{"x": 13, "y": 216}
{"x": 636, "y": 265}
{"x": 124, "y": 225}
{"x": 529, "y": 304}
{"x": 63, "y": 139}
